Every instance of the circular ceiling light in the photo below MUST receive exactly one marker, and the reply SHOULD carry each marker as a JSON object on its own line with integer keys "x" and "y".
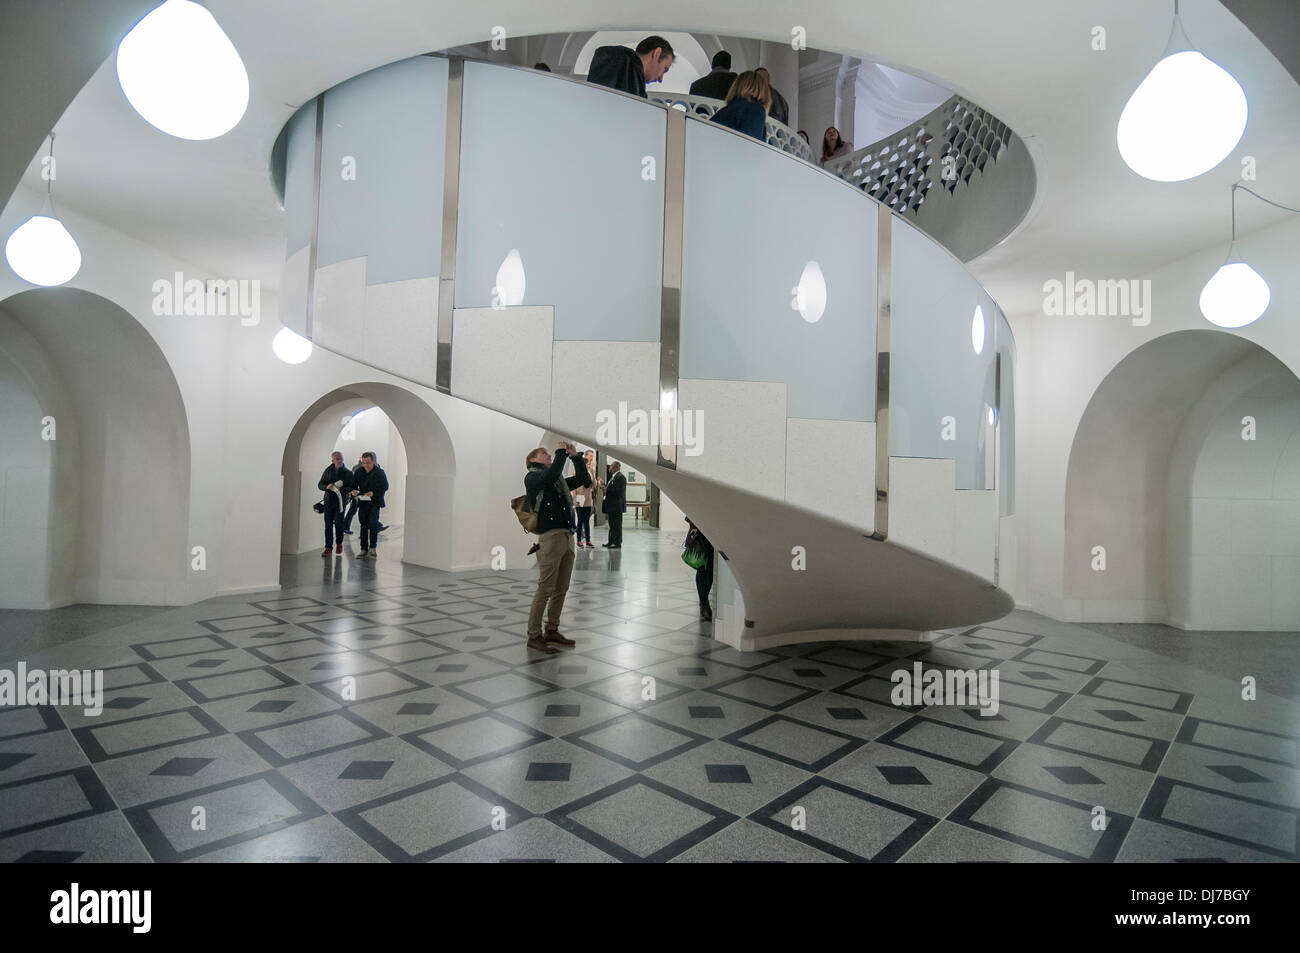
{"x": 42, "y": 252}
{"x": 290, "y": 347}
{"x": 977, "y": 330}
{"x": 1236, "y": 296}
{"x": 181, "y": 73}
{"x": 1183, "y": 119}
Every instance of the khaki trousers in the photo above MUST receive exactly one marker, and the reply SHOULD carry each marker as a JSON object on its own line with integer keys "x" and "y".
{"x": 554, "y": 567}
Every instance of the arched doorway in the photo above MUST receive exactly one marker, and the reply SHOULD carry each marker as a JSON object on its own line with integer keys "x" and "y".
{"x": 96, "y": 456}
{"x": 424, "y": 497}
{"x": 1177, "y": 509}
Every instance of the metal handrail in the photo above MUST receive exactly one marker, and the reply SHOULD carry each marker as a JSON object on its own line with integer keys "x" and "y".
{"x": 947, "y": 147}
{"x": 778, "y": 133}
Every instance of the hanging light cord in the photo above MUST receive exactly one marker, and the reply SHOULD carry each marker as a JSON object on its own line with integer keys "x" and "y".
{"x": 1238, "y": 185}
{"x": 49, "y": 181}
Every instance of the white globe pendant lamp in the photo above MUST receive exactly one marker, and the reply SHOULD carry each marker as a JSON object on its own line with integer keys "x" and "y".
{"x": 41, "y": 251}
{"x": 1186, "y": 116}
{"x": 181, "y": 73}
{"x": 290, "y": 347}
{"x": 1237, "y": 295}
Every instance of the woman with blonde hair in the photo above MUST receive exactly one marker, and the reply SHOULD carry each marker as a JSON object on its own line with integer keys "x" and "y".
{"x": 748, "y": 101}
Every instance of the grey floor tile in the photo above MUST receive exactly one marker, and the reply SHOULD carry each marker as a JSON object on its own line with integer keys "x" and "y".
{"x": 165, "y": 772}
{"x": 547, "y": 775}
{"x": 1116, "y": 787}
{"x": 740, "y": 792}
{"x": 363, "y": 773}
{"x": 902, "y": 777}
{"x": 103, "y": 839}
{"x": 319, "y": 840}
{"x": 950, "y": 843}
{"x": 533, "y": 840}
{"x": 747, "y": 842}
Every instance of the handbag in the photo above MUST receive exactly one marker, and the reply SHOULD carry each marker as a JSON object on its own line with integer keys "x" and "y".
{"x": 695, "y": 554}
{"x": 526, "y": 514}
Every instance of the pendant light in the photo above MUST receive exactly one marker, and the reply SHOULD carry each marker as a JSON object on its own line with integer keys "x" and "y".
{"x": 1237, "y": 295}
{"x": 290, "y": 346}
{"x": 40, "y": 250}
{"x": 1185, "y": 117}
{"x": 180, "y": 72}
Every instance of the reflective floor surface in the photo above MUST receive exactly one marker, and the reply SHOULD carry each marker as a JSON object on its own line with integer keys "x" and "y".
{"x": 370, "y": 711}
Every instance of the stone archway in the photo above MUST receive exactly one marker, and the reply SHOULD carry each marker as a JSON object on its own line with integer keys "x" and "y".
{"x": 431, "y": 466}
{"x": 1131, "y": 465}
{"x": 104, "y": 505}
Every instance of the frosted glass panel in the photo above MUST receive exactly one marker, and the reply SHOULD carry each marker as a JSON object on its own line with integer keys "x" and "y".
{"x": 382, "y": 157}
{"x": 748, "y": 244}
{"x": 940, "y": 389}
{"x": 556, "y": 171}
{"x": 299, "y": 175}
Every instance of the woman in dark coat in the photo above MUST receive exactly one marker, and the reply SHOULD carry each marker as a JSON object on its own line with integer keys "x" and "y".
{"x": 748, "y": 101}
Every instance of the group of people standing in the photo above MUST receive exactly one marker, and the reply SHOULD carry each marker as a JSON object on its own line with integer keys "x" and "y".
{"x": 750, "y": 96}
{"x": 358, "y": 491}
{"x": 563, "y": 506}
{"x": 613, "y": 503}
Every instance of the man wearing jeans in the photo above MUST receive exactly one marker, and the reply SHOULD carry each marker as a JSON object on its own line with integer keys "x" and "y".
{"x": 548, "y": 493}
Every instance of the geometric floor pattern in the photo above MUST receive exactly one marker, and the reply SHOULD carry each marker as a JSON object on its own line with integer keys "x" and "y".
{"x": 377, "y": 712}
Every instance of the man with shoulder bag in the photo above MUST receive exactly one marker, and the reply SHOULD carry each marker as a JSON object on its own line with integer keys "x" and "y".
{"x": 547, "y": 510}
{"x": 336, "y": 483}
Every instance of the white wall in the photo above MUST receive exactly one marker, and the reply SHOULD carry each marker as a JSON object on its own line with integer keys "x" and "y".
{"x": 26, "y": 496}
{"x": 1061, "y": 363}
{"x": 240, "y": 404}
{"x": 1234, "y": 503}
{"x": 117, "y": 528}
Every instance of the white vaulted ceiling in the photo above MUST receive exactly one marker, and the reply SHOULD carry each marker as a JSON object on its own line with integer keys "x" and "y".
{"x": 1030, "y": 62}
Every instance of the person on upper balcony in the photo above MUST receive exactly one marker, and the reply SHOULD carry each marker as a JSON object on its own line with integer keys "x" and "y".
{"x": 629, "y": 70}
{"x": 716, "y": 84}
{"x": 833, "y": 146}
{"x": 747, "y": 104}
{"x": 780, "y": 109}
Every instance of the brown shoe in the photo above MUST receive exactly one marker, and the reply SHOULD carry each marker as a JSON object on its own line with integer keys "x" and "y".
{"x": 327, "y": 551}
{"x": 553, "y": 636}
{"x": 538, "y": 644}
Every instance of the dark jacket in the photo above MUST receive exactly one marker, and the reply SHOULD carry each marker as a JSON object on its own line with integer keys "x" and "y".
{"x": 556, "y": 510}
{"x": 328, "y": 478}
{"x": 618, "y": 68}
{"x": 715, "y": 85}
{"x": 780, "y": 108}
{"x": 744, "y": 115}
{"x": 376, "y": 482}
{"x": 615, "y": 494}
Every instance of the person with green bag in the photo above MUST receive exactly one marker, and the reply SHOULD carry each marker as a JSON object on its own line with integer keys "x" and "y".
{"x": 698, "y": 554}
